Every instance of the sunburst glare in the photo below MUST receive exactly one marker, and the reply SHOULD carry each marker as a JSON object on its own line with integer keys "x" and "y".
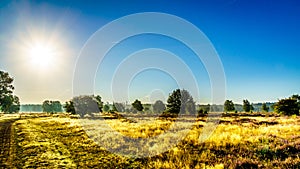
{"x": 41, "y": 55}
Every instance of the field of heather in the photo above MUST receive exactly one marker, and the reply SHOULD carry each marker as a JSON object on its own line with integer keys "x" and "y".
{"x": 239, "y": 141}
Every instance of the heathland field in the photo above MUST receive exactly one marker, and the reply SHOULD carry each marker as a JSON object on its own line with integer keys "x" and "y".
{"x": 239, "y": 141}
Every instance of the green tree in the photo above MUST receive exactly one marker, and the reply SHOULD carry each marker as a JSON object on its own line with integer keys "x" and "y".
{"x": 69, "y": 107}
{"x": 137, "y": 105}
{"x": 296, "y": 97}
{"x": 174, "y": 102}
{"x": 246, "y": 106}
{"x": 288, "y": 106}
{"x": 86, "y": 104}
{"x": 119, "y": 107}
{"x": 187, "y": 103}
{"x": 114, "y": 108}
{"x": 204, "y": 109}
{"x": 47, "y": 106}
{"x": 181, "y": 101}
{"x": 251, "y": 107}
{"x": 106, "y": 107}
{"x": 264, "y": 107}
{"x": 99, "y": 102}
{"x": 51, "y": 106}
{"x": 228, "y": 106}
{"x": 9, "y": 103}
{"x": 159, "y": 106}
{"x": 56, "y": 106}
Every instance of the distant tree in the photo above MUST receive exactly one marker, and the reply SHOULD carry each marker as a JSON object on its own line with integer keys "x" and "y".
{"x": 86, "y": 105}
{"x": 228, "y": 106}
{"x": 216, "y": 108}
{"x": 246, "y": 106}
{"x": 52, "y": 106}
{"x": 137, "y": 105}
{"x": 251, "y": 107}
{"x": 146, "y": 108}
{"x": 99, "y": 102}
{"x": 288, "y": 106}
{"x": 264, "y": 107}
{"x": 56, "y": 106}
{"x": 69, "y": 107}
{"x": 181, "y": 101}
{"x": 159, "y": 106}
{"x": 31, "y": 108}
{"x": 187, "y": 103}
{"x": 47, "y": 106}
{"x": 296, "y": 97}
{"x": 106, "y": 107}
{"x": 8, "y": 102}
{"x": 204, "y": 109}
{"x": 114, "y": 108}
{"x": 119, "y": 107}
{"x": 174, "y": 102}
{"x": 273, "y": 107}
{"x": 201, "y": 111}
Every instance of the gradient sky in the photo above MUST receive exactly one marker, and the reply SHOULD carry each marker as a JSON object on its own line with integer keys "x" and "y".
{"x": 258, "y": 43}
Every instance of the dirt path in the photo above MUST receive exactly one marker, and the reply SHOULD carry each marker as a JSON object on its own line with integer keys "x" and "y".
{"x": 5, "y": 135}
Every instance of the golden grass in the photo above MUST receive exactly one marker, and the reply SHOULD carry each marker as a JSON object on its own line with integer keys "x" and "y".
{"x": 263, "y": 142}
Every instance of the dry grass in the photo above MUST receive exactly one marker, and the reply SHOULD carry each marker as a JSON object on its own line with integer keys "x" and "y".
{"x": 238, "y": 142}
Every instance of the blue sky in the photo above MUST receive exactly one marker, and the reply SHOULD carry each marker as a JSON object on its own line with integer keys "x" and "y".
{"x": 257, "y": 42}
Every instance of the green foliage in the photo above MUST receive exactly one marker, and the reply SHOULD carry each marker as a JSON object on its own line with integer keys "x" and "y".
{"x": 251, "y": 107}
{"x": 106, "y": 107}
{"x": 264, "y": 107}
{"x": 6, "y": 83}
{"x": 137, "y": 105}
{"x": 31, "y": 108}
{"x": 174, "y": 102}
{"x": 228, "y": 106}
{"x": 46, "y": 106}
{"x": 69, "y": 107}
{"x": 52, "y": 106}
{"x": 202, "y": 111}
{"x": 57, "y": 107}
{"x": 187, "y": 103}
{"x": 288, "y": 106}
{"x": 99, "y": 102}
{"x": 205, "y": 108}
{"x": 159, "y": 106}
{"x": 146, "y": 109}
{"x": 246, "y": 106}
{"x": 296, "y": 97}
{"x": 8, "y": 102}
{"x": 87, "y": 104}
{"x": 181, "y": 101}
{"x": 114, "y": 108}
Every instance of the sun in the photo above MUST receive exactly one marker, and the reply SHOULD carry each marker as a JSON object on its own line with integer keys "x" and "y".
{"x": 41, "y": 52}
{"x": 41, "y": 55}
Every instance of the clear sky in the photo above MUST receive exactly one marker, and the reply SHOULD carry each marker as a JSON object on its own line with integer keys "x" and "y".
{"x": 257, "y": 41}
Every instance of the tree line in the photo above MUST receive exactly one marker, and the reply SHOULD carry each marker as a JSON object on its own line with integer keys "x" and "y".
{"x": 179, "y": 101}
{"x": 286, "y": 106}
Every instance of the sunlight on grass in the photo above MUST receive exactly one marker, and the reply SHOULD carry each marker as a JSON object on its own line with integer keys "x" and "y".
{"x": 236, "y": 142}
